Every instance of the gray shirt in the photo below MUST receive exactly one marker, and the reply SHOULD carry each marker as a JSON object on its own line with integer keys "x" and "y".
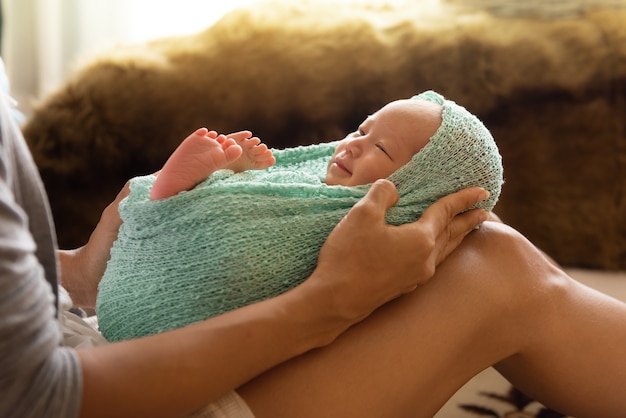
{"x": 38, "y": 376}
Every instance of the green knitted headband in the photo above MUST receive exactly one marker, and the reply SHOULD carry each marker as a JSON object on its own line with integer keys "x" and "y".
{"x": 461, "y": 153}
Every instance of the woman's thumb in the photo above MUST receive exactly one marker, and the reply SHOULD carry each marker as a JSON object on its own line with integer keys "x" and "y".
{"x": 380, "y": 197}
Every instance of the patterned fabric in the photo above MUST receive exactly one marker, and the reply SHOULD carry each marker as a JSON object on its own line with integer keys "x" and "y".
{"x": 516, "y": 405}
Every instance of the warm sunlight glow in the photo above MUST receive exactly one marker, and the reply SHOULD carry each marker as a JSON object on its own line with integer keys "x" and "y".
{"x": 147, "y": 19}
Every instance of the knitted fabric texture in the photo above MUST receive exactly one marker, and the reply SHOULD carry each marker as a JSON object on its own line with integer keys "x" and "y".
{"x": 239, "y": 238}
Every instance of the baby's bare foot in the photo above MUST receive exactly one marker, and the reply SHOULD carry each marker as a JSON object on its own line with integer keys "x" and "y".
{"x": 197, "y": 157}
{"x": 255, "y": 155}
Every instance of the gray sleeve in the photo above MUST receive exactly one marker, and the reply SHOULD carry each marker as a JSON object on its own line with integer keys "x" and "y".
{"x": 38, "y": 376}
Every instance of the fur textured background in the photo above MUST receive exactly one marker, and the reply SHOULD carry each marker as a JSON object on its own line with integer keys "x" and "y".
{"x": 553, "y": 93}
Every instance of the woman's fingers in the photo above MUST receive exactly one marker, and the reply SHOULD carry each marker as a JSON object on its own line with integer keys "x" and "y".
{"x": 449, "y": 219}
{"x": 441, "y": 213}
{"x": 459, "y": 227}
{"x": 381, "y": 196}
{"x": 368, "y": 262}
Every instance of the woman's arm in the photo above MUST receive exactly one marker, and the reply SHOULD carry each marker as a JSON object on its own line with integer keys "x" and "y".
{"x": 363, "y": 265}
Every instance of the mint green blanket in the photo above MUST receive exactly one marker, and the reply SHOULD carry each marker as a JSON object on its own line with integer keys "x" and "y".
{"x": 238, "y": 238}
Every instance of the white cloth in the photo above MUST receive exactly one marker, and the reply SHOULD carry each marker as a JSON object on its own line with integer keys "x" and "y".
{"x": 228, "y": 406}
{"x": 77, "y": 332}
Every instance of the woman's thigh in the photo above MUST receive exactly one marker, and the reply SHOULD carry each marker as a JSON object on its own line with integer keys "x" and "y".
{"x": 411, "y": 355}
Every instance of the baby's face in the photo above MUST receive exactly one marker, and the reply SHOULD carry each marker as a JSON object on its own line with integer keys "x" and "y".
{"x": 386, "y": 141}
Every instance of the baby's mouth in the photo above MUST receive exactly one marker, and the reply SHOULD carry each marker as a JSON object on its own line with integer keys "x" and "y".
{"x": 339, "y": 163}
{"x": 342, "y": 167}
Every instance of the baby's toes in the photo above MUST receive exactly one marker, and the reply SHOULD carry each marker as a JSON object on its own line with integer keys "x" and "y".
{"x": 250, "y": 143}
{"x": 264, "y": 163}
{"x": 232, "y": 152}
{"x": 259, "y": 150}
{"x": 240, "y": 136}
{"x": 263, "y": 158}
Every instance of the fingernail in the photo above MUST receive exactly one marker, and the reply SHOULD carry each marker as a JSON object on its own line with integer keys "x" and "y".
{"x": 483, "y": 216}
{"x": 484, "y": 194}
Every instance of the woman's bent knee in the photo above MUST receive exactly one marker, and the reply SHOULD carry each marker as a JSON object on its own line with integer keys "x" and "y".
{"x": 509, "y": 273}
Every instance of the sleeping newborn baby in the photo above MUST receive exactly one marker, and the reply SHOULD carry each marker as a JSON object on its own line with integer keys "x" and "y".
{"x": 228, "y": 222}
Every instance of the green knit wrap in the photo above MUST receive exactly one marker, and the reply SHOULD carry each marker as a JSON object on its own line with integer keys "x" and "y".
{"x": 239, "y": 238}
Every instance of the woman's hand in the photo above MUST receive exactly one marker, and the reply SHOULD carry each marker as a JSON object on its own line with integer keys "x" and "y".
{"x": 82, "y": 268}
{"x": 366, "y": 262}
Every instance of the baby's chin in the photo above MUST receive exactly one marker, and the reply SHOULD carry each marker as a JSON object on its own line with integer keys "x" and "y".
{"x": 330, "y": 181}
{"x": 334, "y": 180}
{"x": 338, "y": 176}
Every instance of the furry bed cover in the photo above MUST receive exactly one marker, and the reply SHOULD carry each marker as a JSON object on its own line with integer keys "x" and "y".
{"x": 552, "y": 91}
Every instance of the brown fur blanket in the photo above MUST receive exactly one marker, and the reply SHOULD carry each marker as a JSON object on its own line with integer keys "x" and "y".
{"x": 553, "y": 92}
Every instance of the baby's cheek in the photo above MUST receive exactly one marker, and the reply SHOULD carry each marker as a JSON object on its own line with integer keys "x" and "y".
{"x": 385, "y": 172}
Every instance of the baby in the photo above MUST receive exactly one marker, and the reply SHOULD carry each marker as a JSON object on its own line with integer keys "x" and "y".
{"x": 192, "y": 247}
{"x": 382, "y": 144}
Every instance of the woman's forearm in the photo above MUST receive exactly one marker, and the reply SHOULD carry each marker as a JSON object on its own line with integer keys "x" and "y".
{"x": 177, "y": 372}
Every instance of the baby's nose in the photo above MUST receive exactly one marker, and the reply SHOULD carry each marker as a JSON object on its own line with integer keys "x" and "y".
{"x": 354, "y": 147}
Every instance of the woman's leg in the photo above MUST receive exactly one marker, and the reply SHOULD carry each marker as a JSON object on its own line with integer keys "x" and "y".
{"x": 496, "y": 300}
{"x": 575, "y": 359}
